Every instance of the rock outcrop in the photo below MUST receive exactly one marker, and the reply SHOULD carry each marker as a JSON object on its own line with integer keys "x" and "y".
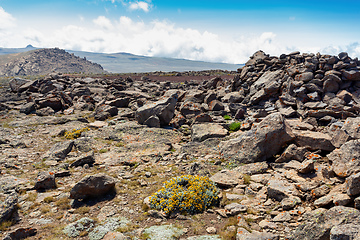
{"x": 45, "y": 61}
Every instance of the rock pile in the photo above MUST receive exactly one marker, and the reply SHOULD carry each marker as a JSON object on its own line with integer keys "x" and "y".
{"x": 290, "y": 172}
{"x": 45, "y": 61}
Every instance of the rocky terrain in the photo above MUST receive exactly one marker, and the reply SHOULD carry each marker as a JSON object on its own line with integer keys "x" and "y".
{"x": 82, "y": 157}
{"x": 45, "y": 61}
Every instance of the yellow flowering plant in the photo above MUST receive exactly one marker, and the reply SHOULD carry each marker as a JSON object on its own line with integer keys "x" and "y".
{"x": 187, "y": 193}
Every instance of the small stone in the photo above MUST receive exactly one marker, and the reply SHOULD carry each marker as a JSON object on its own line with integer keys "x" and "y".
{"x": 211, "y": 230}
{"x": 306, "y": 167}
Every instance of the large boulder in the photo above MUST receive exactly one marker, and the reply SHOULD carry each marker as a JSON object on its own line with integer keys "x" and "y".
{"x": 259, "y": 143}
{"x": 92, "y": 186}
{"x": 201, "y": 132}
{"x": 346, "y": 159}
{"x": 320, "y": 224}
{"x": 164, "y": 109}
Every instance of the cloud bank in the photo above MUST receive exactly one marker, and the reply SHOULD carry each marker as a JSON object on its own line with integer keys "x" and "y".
{"x": 6, "y": 20}
{"x": 156, "y": 38}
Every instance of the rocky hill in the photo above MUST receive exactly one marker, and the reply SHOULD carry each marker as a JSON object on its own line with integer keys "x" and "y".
{"x": 45, "y": 61}
{"x": 271, "y": 153}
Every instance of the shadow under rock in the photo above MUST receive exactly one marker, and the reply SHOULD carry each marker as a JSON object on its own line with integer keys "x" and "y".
{"x": 91, "y": 201}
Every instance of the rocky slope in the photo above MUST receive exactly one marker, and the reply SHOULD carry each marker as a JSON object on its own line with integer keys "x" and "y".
{"x": 45, "y": 61}
{"x": 81, "y": 156}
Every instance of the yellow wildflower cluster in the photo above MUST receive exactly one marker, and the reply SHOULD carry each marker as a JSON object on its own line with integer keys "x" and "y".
{"x": 187, "y": 193}
{"x": 75, "y": 133}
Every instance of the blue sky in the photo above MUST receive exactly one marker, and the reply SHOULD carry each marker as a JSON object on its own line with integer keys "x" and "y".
{"x": 218, "y": 31}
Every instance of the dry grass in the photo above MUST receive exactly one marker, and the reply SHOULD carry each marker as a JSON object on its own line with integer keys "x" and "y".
{"x": 63, "y": 203}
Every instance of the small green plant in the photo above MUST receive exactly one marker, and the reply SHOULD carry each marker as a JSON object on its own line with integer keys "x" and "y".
{"x": 227, "y": 117}
{"x": 187, "y": 193}
{"x": 104, "y": 150}
{"x": 234, "y": 126}
{"x": 75, "y": 133}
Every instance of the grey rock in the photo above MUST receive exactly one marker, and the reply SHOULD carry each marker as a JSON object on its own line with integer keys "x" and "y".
{"x": 92, "y": 186}
{"x": 74, "y": 229}
{"x": 47, "y": 111}
{"x": 268, "y": 84}
{"x": 8, "y": 207}
{"x": 216, "y": 105}
{"x": 282, "y": 217}
{"x": 254, "y": 235}
{"x": 306, "y": 166}
{"x": 60, "y": 150}
{"x": 107, "y": 226}
{"x": 313, "y": 140}
{"x": 16, "y": 83}
{"x": 235, "y": 208}
{"x": 353, "y": 184}
{"x": 279, "y": 189}
{"x": 352, "y": 127}
{"x": 305, "y": 77}
{"x": 119, "y": 102}
{"x": 226, "y": 178}
{"x": 320, "y": 225}
{"x": 190, "y": 109}
{"x": 28, "y": 107}
{"x": 103, "y": 111}
{"x": 345, "y": 160}
{"x": 357, "y": 202}
{"x": 45, "y": 180}
{"x": 86, "y": 158}
{"x": 259, "y": 143}
{"x": 352, "y": 75}
{"x": 166, "y": 232}
{"x": 345, "y": 232}
{"x": 21, "y": 233}
{"x": 252, "y": 168}
{"x": 290, "y": 202}
{"x": 201, "y": 132}
{"x": 152, "y": 121}
{"x": 292, "y": 152}
{"x": 83, "y": 144}
{"x": 164, "y": 109}
{"x": 341, "y": 199}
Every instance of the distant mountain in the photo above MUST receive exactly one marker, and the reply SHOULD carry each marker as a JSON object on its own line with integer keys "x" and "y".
{"x": 129, "y": 63}
{"x": 44, "y": 61}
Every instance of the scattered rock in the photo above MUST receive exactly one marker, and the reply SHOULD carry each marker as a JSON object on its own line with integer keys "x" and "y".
{"x": 92, "y": 186}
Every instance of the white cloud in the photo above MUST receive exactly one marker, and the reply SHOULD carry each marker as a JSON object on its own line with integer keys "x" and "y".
{"x": 134, "y": 5}
{"x": 140, "y": 6}
{"x": 159, "y": 38}
{"x": 6, "y": 20}
{"x": 103, "y": 22}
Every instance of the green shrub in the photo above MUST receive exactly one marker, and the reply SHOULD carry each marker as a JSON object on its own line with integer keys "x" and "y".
{"x": 75, "y": 133}
{"x": 187, "y": 193}
{"x": 234, "y": 126}
{"x": 227, "y": 117}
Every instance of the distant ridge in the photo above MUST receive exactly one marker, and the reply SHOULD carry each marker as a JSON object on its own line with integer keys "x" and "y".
{"x": 130, "y": 63}
{"x": 44, "y": 61}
